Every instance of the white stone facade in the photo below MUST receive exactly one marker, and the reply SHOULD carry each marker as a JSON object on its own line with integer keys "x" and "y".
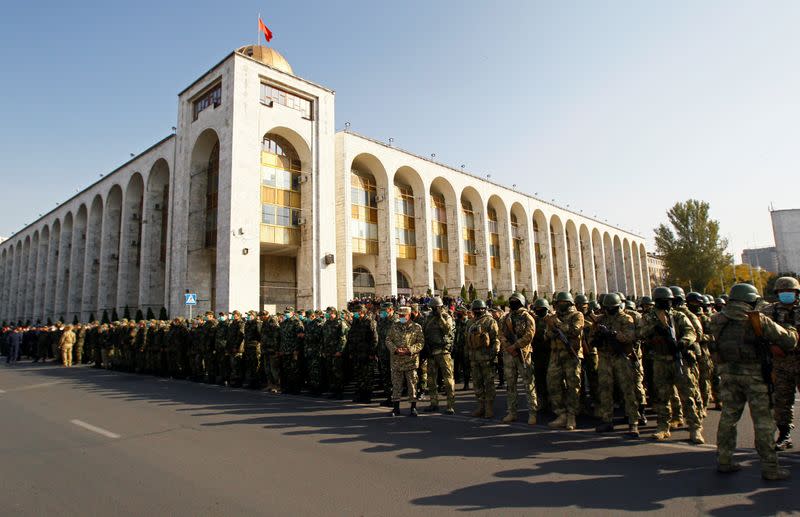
{"x": 786, "y": 229}
{"x": 186, "y": 216}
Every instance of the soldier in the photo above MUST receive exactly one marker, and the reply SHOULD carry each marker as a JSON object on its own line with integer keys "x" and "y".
{"x": 316, "y": 365}
{"x": 541, "y": 352}
{"x": 695, "y": 303}
{"x": 679, "y": 304}
{"x": 65, "y": 344}
{"x": 564, "y": 331}
{"x": 404, "y": 342}
{"x": 517, "y": 329}
{"x": 385, "y": 322}
{"x": 438, "y": 329}
{"x": 719, "y": 304}
{"x": 251, "y": 359}
{"x": 362, "y": 344}
{"x": 460, "y": 352}
{"x": 221, "y": 353}
{"x": 483, "y": 344}
{"x": 334, "y": 345}
{"x": 614, "y": 334}
{"x": 672, "y": 338}
{"x": 785, "y": 313}
{"x": 291, "y": 351}
{"x": 80, "y": 342}
{"x": 742, "y": 343}
{"x": 207, "y": 336}
{"x": 422, "y": 374}
{"x": 589, "y": 394}
{"x": 270, "y": 339}
{"x": 235, "y": 345}
{"x": 140, "y": 366}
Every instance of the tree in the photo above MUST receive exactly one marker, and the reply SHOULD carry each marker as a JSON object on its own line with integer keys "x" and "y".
{"x": 139, "y": 316}
{"x": 126, "y": 313}
{"x": 114, "y": 315}
{"x": 162, "y": 315}
{"x": 91, "y": 316}
{"x": 691, "y": 247}
{"x": 75, "y": 320}
{"x": 471, "y": 293}
{"x": 743, "y": 273}
{"x": 105, "y": 320}
{"x": 463, "y": 294}
{"x": 150, "y": 315}
{"x": 535, "y": 294}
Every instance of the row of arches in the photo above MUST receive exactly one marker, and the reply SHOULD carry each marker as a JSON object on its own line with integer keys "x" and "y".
{"x": 436, "y": 233}
{"x": 107, "y": 254}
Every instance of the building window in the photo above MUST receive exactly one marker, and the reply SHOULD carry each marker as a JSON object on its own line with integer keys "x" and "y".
{"x": 439, "y": 228}
{"x": 212, "y": 191}
{"x": 280, "y": 191}
{"x": 537, "y": 250}
{"x": 516, "y": 246}
{"x": 272, "y": 94}
{"x": 494, "y": 239}
{"x": 553, "y": 251}
{"x": 403, "y": 285}
{"x": 212, "y": 97}
{"x": 363, "y": 283}
{"x": 405, "y": 225}
{"x": 363, "y": 213}
{"x": 468, "y": 236}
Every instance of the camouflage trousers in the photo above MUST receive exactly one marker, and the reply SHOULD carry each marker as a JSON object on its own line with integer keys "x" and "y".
{"x": 513, "y": 369}
{"x": 141, "y": 361}
{"x": 641, "y": 394}
{"x": 290, "y": 375}
{"x": 541, "y": 359}
{"x": 314, "y": 374}
{"x": 564, "y": 381}
{"x": 334, "y": 368}
{"x": 482, "y": 373}
{"x": 590, "y": 365}
{"x": 410, "y": 378}
{"x": 787, "y": 381}
{"x": 77, "y": 354}
{"x": 735, "y": 391}
{"x": 385, "y": 374}
{"x": 706, "y": 380}
{"x": 362, "y": 373}
{"x": 209, "y": 367}
{"x": 617, "y": 370}
{"x": 666, "y": 378}
{"x": 272, "y": 370}
{"x": 441, "y": 362}
{"x": 251, "y": 362}
{"x": 422, "y": 374}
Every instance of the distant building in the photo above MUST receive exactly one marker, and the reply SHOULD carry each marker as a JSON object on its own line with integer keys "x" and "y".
{"x": 786, "y": 229}
{"x": 657, "y": 269}
{"x": 765, "y": 258}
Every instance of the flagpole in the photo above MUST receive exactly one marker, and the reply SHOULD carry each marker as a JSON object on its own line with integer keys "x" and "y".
{"x": 258, "y": 32}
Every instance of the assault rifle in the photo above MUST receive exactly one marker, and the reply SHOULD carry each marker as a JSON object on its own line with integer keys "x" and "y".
{"x": 585, "y": 376}
{"x": 609, "y": 337}
{"x": 764, "y": 353}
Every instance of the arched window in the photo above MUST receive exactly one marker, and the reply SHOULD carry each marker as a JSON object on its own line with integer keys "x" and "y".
{"x": 516, "y": 235}
{"x": 364, "y": 213}
{"x": 363, "y": 283}
{"x": 439, "y": 228}
{"x": 494, "y": 238}
{"x": 468, "y": 220}
{"x": 280, "y": 191}
{"x": 405, "y": 225}
{"x": 403, "y": 285}
{"x": 212, "y": 194}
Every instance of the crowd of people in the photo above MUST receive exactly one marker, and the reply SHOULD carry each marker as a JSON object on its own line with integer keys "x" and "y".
{"x": 680, "y": 354}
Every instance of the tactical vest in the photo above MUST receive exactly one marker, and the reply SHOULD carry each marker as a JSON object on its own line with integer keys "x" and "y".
{"x": 737, "y": 342}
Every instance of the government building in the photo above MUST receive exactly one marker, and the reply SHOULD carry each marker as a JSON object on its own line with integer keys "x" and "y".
{"x": 256, "y": 201}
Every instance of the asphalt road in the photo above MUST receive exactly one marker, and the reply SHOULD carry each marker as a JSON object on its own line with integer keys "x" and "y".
{"x": 82, "y": 441}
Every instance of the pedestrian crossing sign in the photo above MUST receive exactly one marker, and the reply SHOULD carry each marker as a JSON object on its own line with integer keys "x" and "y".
{"x": 191, "y": 299}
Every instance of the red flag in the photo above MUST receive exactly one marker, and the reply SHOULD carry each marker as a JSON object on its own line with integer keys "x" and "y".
{"x": 263, "y": 28}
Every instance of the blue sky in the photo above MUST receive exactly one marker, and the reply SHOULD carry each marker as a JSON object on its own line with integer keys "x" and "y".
{"x": 616, "y": 108}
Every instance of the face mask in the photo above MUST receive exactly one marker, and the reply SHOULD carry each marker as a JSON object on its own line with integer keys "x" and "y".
{"x": 287, "y": 315}
{"x": 356, "y": 316}
{"x": 402, "y": 320}
{"x": 563, "y": 308}
{"x": 612, "y": 311}
{"x": 787, "y": 297}
{"x": 663, "y": 304}
{"x": 514, "y": 304}
{"x": 541, "y": 312}
{"x": 478, "y": 313}
{"x": 384, "y": 314}
{"x": 223, "y": 318}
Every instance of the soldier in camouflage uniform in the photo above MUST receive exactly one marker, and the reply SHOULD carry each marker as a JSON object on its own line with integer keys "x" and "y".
{"x": 517, "y": 329}
{"x": 270, "y": 338}
{"x": 251, "y": 359}
{"x": 564, "y": 331}
{"x": 460, "y": 353}
{"x": 438, "y": 329}
{"x": 206, "y": 336}
{"x": 385, "y": 321}
{"x": 362, "y": 344}
{"x": 785, "y": 313}
{"x": 742, "y": 343}
{"x": 316, "y": 365}
{"x": 695, "y": 303}
{"x": 291, "y": 352}
{"x": 541, "y": 353}
{"x": 422, "y": 373}
{"x": 404, "y": 342}
{"x": 140, "y": 344}
{"x": 590, "y": 397}
{"x": 80, "y": 343}
{"x": 614, "y": 335}
{"x": 177, "y": 339}
{"x": 483, "y": 344}
{"x": 672, "y": 338}
{"x": 235, "y": 345}
{"x": 221, "y": 350}
{"x": 679, "y": 304}
{"x": 334, "y": 345}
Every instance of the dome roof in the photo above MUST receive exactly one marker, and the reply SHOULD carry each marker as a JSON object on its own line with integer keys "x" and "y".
{"x": 268, "y": 56}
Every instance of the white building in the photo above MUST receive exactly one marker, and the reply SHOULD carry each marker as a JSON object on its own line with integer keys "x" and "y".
{"x": 257, "y": 201}
{"x": 657, "y": 269}
{"x": 786, "y": 229}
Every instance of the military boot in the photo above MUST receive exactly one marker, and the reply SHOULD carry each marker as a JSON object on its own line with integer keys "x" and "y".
{"x": 413, "y": 409}
{"x": 784, "y": 440}
{"x": 570, "y": 423}
{"x": 729, "y": 468}
{"x": 776, "y": 474}
{"x": 431, "y": 408}
{"x": 559, "y": 422}
{"x": 677, "y": 423}
{"x": 605, "y": 427}
{"x": 696, "y": 435}
{"x": 532, "y": 418}
{"x": 510, "y": 417}
{"x": 661, "y": 435}
{"x": 642, "y": 416}
{"x": 633, "y": 431}
{"x": 488, "y": 411}
{"x": 396, "y": 409}
{"x": 478, "y": 410}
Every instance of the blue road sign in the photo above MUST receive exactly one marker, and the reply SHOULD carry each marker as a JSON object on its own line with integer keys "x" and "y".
{"x": 191, "y": 299}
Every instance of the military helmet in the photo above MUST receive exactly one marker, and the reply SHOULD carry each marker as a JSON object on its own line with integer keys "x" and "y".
{"x": 786, "y": 283}
{"x": 611, "y": 300}
{"x": 581, "y": 299}
{"x": 478, "y": 305}
{"x": 564, "y": 296}
{"x": 709, "y": 299}
{"x": 662, "y": 293}
{"x": 724, "y": 297}
{"x": 677, "y": 292}
{"x": 435, "y": 302}
{"x": 645, "y": 300}
{"x": 541, "y": 303}
{"x": 695, "y": 297}
{"x": 630, "y": 305}
{"x": 622, "y": 297}
{"x": 744, "y": 293}
{"x": 601, "y": 297}
{"x": 386, "y": 305}
{"x": 720, "y": 301}
{"x": 517, "y": 296}
{"x": 594, "y": 306}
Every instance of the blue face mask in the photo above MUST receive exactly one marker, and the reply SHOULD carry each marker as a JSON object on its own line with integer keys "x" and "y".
{"x": 287, "y": 315}
{"x": 384, "y": 314}
{"x": 787, "y": 297}
{"x": 356, "y": 316}
{"x": 402, "y": 320}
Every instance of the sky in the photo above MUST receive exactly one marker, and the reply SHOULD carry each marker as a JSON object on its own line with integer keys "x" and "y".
{"x": 616, "y": 108}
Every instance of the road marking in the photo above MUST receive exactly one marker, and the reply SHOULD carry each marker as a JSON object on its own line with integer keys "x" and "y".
{"x": 98, "y": 430}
